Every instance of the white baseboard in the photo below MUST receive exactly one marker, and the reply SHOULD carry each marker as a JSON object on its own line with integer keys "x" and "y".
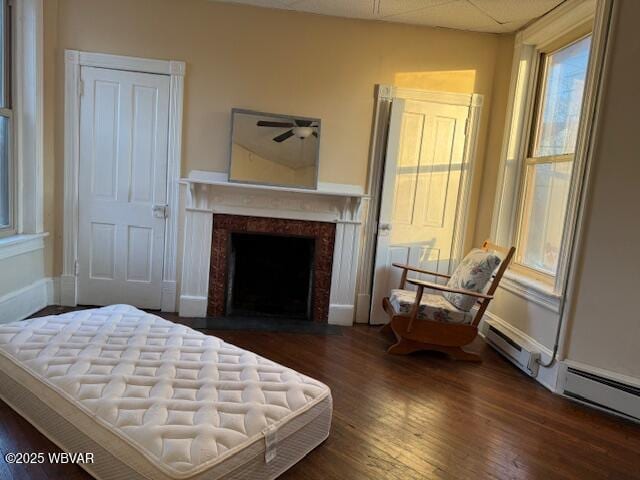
{"x": 192, "y": 306}
{"x": 547, "y": 376}
{"x": 53, "y": 291}
{"x": 19, "y": 304}
{"x": 341, "y": 315}
{"x": 15, "y": 245}
{"x": 68, "y": 293}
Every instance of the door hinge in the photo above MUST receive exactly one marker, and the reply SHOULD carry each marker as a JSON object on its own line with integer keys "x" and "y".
{"x": 466, "y": 126}
{"x": 76, "y": 268}
{"x": 80, "y": 87}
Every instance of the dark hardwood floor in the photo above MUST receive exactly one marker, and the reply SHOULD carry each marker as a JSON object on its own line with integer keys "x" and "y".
{"x": 419, "y": 416}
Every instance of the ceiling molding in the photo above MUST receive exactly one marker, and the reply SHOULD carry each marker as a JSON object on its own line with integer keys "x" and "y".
{"x": 569, "y": 15}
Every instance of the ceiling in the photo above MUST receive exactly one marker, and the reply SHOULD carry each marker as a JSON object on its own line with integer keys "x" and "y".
{"x": 496, "y": 16}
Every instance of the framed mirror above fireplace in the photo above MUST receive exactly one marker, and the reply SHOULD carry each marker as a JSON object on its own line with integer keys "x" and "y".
{"x": 274, "y": 149}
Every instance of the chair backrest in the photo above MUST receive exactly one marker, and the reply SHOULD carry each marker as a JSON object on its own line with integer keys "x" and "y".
{"x": 507, "y": 256}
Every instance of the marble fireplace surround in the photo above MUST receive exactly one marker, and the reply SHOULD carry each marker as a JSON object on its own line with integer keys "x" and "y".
{"x": 322, "y": 232}
{"x": 209, "y": 196}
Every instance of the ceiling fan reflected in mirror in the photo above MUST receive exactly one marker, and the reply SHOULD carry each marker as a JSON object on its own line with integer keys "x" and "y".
{"x": 298, "y": 128}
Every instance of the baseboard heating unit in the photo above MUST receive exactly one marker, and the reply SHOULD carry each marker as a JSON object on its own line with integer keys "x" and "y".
{"x": 603, "y": 393}
{"x": 520, "y": 356}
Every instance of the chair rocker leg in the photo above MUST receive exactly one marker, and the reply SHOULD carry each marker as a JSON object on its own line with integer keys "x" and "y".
{"x": 404, "y": 346}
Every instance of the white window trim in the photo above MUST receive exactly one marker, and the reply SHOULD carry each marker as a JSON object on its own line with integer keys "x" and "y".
{"x": 20, "y": 244}
{"x": 74, "y": 60}
{"x": 529, "y": 43}
{"x": 27, "y": 148}
{"x": 8, "y": 231}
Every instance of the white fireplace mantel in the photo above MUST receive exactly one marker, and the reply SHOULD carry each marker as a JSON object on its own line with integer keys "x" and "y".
{"x": 210, "y": 193}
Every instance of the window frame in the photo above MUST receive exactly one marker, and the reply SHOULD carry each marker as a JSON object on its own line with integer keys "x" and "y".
{"x": 562, "y": 24}
{"x": 7, "y": 112}
{"x": 531, "y": 126}
{"x": 10, "y": 228}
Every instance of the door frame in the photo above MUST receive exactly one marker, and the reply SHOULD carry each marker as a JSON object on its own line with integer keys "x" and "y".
{"x": 175, "y": 70}
{"x": 384, "y": 96}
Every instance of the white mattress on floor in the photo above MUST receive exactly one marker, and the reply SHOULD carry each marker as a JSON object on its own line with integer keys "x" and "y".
{"x": 157, "y": 399}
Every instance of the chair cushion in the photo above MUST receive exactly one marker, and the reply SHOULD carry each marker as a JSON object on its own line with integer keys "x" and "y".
{"x": 432, "y": 307}
{"x": 473, "y": 273}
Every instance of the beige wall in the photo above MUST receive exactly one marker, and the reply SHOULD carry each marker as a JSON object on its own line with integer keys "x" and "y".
{"x": 268, "y": 60}
{"x": 528, "y": 317}
{"x": 605, "y": 326}
{"x": 485, "y": 189}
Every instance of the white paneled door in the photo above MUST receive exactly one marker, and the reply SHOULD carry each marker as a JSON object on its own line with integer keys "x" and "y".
{"x": 421, "y": 194}
{"x": 122, "y": 187}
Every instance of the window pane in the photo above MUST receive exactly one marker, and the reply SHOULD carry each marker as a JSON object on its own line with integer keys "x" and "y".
{"x": 547, "y": 191}
{"x": 4, "y": 172}
{"x": 564, "y": 78}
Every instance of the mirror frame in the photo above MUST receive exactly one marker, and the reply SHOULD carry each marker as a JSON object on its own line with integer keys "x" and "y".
{"x": 235, "y": 111}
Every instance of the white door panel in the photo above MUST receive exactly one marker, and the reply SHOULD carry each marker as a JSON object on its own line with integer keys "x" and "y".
{"x": 420, "y": 194}
{"x": 123, "y": 175}
{"x": 139, "y": 254}
{"x": 102, "y": 244}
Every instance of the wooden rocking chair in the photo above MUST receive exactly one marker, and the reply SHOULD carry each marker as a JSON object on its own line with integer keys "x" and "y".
{"x": 413, "y": 333}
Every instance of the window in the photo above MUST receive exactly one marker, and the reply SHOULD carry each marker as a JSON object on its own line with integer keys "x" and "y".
{"x": 6, "y": 176}
{"x": 550, "y": 154}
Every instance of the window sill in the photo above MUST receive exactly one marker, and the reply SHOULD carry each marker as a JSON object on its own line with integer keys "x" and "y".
{"x": 19, "y": 244}
{"x": 531, "y": 290}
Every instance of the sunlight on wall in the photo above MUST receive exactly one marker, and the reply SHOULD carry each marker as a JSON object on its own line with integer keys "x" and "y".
{"x": 456, "y": 81}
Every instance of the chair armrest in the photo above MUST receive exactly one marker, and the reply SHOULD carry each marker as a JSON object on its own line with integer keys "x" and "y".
{"x": 444, "y": 288}
{"x": 420, "y": 270}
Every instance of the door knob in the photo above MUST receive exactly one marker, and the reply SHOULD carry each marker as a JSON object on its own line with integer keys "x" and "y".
{"x": 384, "y": 227}
{"x": 159, "y": 211}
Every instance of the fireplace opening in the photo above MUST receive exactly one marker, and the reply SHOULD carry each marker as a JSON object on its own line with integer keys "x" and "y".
{"x": 270, "y": 275}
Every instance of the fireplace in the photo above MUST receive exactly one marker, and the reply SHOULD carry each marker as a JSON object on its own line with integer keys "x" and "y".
{"x": 280, "y": 268}
{"x": 215, "y": 209}
{"x": 270, "y": 275}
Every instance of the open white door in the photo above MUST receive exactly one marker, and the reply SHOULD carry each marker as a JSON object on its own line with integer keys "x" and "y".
{"x": 122, "y": 187}
{"x": 421, "y": 193}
